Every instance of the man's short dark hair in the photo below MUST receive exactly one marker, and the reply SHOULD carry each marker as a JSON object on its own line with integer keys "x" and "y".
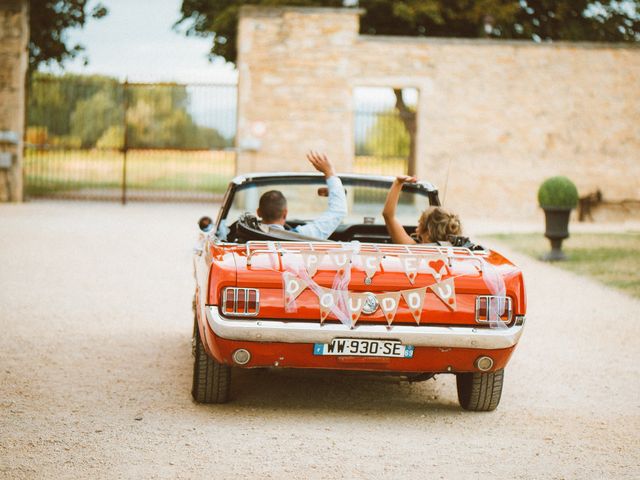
{"x": 272, "y": 206}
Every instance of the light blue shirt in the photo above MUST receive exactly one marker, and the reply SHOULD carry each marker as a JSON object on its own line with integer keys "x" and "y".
{"x": 325, "y": 224}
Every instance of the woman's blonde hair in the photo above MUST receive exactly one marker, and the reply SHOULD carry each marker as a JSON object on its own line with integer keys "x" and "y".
{"x": 439, "y": 224}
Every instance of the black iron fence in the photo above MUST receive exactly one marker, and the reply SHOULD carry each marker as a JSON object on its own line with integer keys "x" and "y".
{"x": 94, "y": 137}
{"x": 384, "y": 133}
{"x": 98, "y": 138}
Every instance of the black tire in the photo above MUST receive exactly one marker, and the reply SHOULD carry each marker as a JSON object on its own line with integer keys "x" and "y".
{"x": 480, "y": 392}
{"x": 211, "y": 379}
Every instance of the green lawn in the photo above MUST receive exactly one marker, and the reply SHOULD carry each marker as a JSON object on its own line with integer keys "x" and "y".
{"x": 78, "y": 172}
{"x": 69, "y": 171}
{"x": 613, "y": 259}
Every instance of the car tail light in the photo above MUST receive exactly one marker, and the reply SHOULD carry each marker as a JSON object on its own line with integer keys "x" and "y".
{"x": 491, "y": 308}
{"x": 240, "y": 302}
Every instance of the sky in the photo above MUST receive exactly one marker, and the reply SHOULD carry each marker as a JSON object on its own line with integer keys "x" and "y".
{"x": 136, "y": 40}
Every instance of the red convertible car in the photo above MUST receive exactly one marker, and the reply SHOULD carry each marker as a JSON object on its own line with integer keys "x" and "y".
{"x": 272, "y": 298}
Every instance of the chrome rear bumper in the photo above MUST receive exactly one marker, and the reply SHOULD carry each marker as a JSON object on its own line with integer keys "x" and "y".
{"x": 253, "y": 330}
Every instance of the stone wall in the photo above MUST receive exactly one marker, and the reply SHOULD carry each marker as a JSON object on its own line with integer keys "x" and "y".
{"x": 495, "y": 117}
{"x": 14, "y": 36}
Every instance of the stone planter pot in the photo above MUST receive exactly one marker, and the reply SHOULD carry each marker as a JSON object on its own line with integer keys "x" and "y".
{"x": 556, "y": 230}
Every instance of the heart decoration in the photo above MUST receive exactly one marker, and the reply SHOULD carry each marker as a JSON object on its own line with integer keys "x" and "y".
{"x": 437, "y": 266}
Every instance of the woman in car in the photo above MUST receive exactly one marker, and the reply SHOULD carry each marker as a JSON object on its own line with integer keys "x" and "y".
{"x": 434, "y": 225}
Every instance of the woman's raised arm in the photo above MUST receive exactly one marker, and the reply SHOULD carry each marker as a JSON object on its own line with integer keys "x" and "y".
{"x": 394, "y": 227}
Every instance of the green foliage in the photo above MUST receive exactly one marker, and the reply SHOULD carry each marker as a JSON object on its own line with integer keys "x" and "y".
{"x": 93, "y": 116}
{"x": 540, "y": 20}
{"x": 48, "y": 22}
{"x": 558, "y": 192}
{"x": 112, "y": 138}
{"x": 220, "y": 19}
{"x": 88, "y": 111}
{"x": 52, "y": 99}
{"x": 387, "y": 137}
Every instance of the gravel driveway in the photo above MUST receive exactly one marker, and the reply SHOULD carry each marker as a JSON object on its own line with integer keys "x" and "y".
{"x": 95, "y": 373}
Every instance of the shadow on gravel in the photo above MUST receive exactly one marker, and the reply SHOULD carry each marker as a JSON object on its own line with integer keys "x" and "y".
{"x": 154, "y": 371}
{"x": 335, "y": 391}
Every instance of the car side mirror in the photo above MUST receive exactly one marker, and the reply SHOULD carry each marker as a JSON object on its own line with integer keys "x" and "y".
{"x": 205, "y": 224}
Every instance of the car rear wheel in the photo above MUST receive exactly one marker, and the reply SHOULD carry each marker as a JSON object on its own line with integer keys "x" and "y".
{"x": 480, "y": 392}
{"x": 211, "y": 379}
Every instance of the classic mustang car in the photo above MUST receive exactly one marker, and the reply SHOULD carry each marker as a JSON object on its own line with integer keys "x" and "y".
{"x": 273, "y": 298}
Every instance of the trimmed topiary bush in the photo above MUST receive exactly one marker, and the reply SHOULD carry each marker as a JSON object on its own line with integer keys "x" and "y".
{"x": 558, "y": 192}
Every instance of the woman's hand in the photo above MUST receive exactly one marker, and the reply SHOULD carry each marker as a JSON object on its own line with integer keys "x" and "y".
{"x": 394, "y": 227}
{"x": 405, "y": 179}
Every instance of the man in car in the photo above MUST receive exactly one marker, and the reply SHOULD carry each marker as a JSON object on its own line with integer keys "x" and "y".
{"x": 272, "y": 208}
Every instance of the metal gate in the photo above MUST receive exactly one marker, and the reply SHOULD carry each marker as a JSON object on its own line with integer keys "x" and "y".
{"x": 98, "y": 138}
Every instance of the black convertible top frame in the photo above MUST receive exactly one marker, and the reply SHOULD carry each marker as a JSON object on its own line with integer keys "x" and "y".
{"x": 348, "y": 179}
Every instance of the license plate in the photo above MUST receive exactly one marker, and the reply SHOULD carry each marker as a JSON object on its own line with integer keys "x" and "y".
{"x": 364, "y": 348}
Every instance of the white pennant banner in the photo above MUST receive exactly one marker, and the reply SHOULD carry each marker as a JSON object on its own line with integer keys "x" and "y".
{"x": 389, "y": 304}
{"x": 342, "y": 261}
{"x": 371, "y": 263}
{"x": 436, "y": 265}
{"x": 355, "y": 302}
{"x": 415, "y": 300}
{"x": 446, "y": 291}
{"x": 311, "y": 261}
{"x": 293, "y": 287}
{"x": 328, "y": 300}
{"x": 411, "y": 265}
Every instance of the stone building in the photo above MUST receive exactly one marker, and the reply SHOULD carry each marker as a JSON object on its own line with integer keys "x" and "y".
{"x": 495, "y": 117}
{"x": 14, "y": 35}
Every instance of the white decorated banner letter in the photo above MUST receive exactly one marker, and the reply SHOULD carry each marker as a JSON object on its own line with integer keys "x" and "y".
{"x": 355, "y": 301}
{"x": 293, "y": 287}
{"x": 410, "y": 264}
{"x": 446, "y": 291}
{"x": 311, "y": 261}
{"x": 342, "y": 261}
{"x": 328, "y": 300}
{"x": 389, "y": 304}
{"x": 415, "y": 300}
{"x": 371, "y": 264}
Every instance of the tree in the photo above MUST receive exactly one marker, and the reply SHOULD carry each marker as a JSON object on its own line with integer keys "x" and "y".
{"x": 387, "y": 136}
{"x": 48, "y": 22}
{"x": 94, "y": 115}
{"x": 77, "y": 110}
{"x": 536, "y": 20}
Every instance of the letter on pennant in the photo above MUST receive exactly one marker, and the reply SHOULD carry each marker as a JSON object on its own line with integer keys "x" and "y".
{"x": 293, "y": 287}
{"x": 371, "y": 263}
{"x": 389, "y": 304}
{"x": 410, "y": 264}
{"x": 342, "y": 261}
{"x": 446, "y": 291}
{"x": 311, "y": 261}
{"x": 355, "y": 302}
{"x": 415, "y": 300}
{"x": 328, "y": 299}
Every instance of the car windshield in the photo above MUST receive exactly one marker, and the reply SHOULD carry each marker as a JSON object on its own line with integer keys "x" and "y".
{"x": 365, "y": 199}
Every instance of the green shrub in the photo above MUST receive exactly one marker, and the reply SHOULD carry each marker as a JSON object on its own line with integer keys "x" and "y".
{"x": 558, "y": 192}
